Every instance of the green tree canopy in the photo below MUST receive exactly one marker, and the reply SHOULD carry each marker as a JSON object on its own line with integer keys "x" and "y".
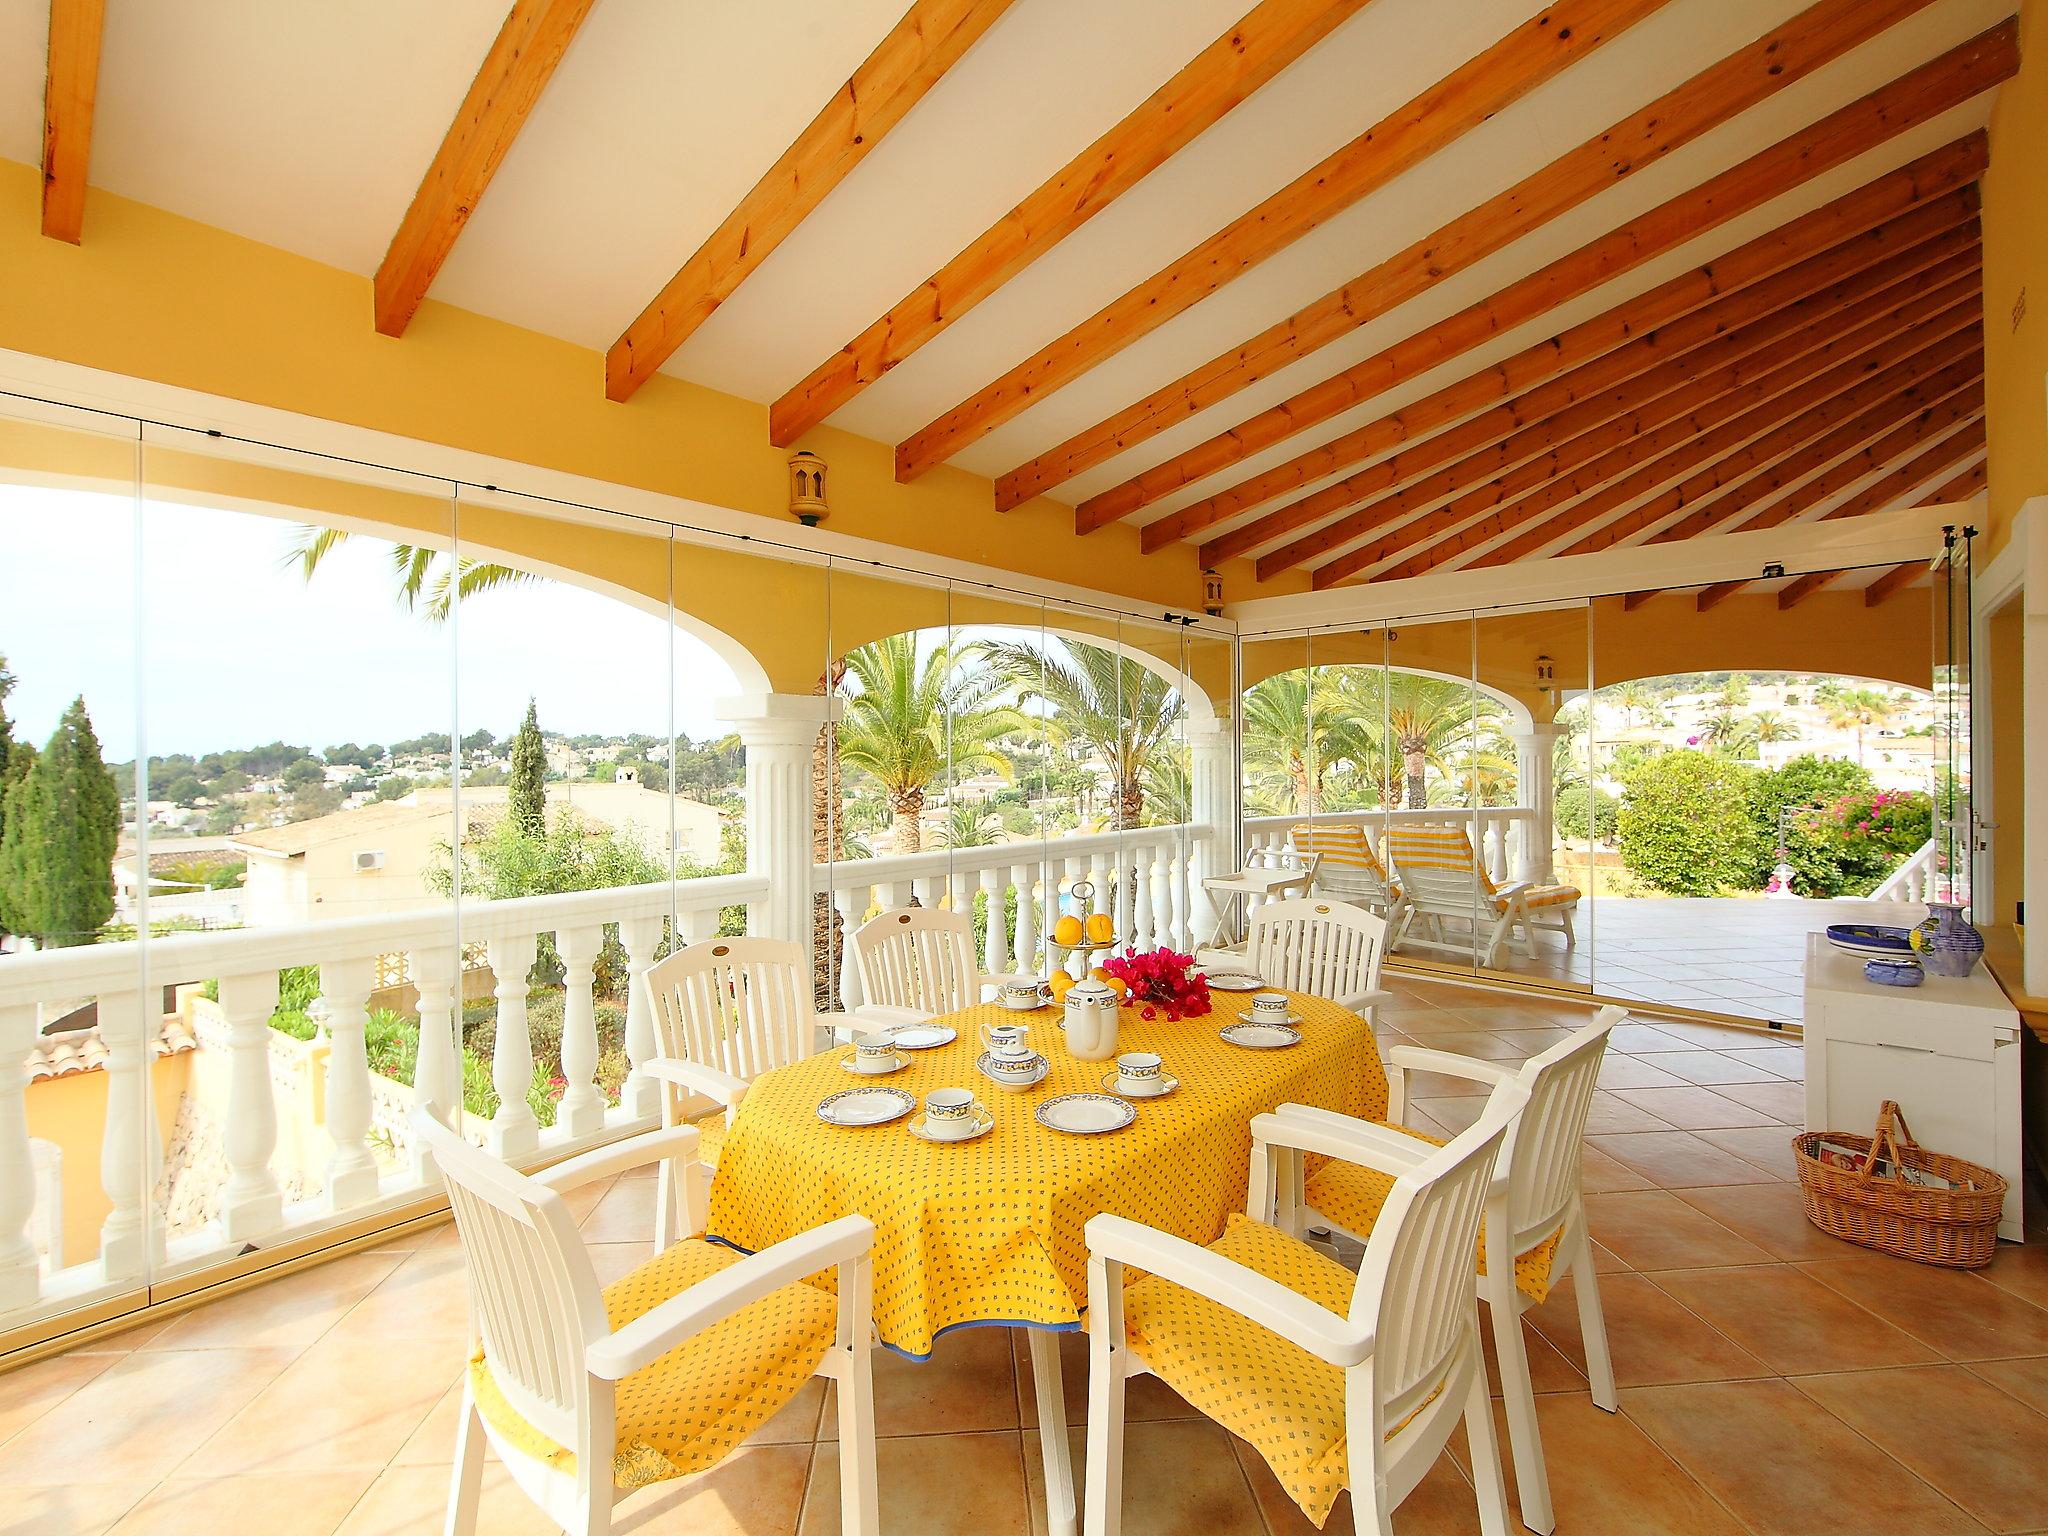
{"x": 1685, "y": 823}
{"x": 61, "y": 829}
{"x": 1120, "y": 709}
{"x": 528, "y": 797}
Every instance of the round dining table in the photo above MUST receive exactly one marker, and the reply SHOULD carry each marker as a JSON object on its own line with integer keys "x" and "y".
{"x": 991, "y": 1231}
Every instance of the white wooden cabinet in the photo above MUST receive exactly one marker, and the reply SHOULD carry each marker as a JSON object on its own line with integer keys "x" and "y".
{"x": 1948, "y": 1051}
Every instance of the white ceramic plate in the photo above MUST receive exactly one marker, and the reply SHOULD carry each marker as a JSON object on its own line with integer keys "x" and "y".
{"x": 1039, "y": 1067}
{"x": 1236, "y": 981}
{"x": 1085, "y": 1114}
{"x": 983, "y": 1124}
{"x": 1262, "y": 1037}
{"x": 865, "y": 1106}
{"x": 922, "y": 1037}
{"x": 1163, "y": 1086}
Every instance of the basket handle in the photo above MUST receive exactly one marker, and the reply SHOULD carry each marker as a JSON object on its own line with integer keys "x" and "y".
{"x": 1892, "y": 1137}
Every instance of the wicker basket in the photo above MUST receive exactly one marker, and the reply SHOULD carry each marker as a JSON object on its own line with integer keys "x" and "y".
{"x": 1957, "y": 1228}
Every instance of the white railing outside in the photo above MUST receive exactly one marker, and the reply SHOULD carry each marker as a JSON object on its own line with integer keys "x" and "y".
{"x": 128, "y": 981}
{"x": 1142, "y": 876}
{"x": 1500, "y": 834}
{"x": 1921, "y": 878}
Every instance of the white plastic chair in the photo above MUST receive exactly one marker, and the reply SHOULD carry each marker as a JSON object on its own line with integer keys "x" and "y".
{"x": 1442, "y": 878}
{"x": 916, "y": 962}
{"x": 725, "y": 1011}
{"x": 1324, "y": 948}
{"x": 1397, "y": 1369}
{"x": 1535, "y": 1230}
{"x": 566, "y": 1370}
{"x": 1346, "y": 866}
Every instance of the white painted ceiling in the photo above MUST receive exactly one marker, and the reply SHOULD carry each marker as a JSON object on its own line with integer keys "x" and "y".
{"x": 306, "y": 124}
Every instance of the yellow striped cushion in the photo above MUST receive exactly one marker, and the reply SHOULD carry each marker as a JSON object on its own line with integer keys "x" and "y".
{"x": 1343, "y": 845}
{"x": 1547, "y": 896}
{"x": 1435, "y": 848}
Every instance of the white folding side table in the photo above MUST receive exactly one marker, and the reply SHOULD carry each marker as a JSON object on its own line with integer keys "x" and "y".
{"x": 1267, "y": 884}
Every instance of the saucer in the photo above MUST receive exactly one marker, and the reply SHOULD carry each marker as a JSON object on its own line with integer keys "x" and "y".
{"x": 922, "y": 1037}
{"x": 1235, "y": 981}
{"x": 865, "y": 1106}
{"x": 1166, "y": 1085}
{"x": 983, "y": 1124}
{"x": 852, "y": 1064}
{"x": 1261, "y": 1037}
{"x": 1039, "y": 1067}
{"x": 1262, "y": 1021}
{"x": 1085, "y": 1114}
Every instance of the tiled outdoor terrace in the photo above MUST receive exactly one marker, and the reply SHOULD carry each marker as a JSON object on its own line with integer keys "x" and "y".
{"x": 1773, "y": 1381}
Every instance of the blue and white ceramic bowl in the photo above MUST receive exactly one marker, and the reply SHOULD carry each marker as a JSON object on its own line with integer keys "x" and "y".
{"x": 1894, "y": 973}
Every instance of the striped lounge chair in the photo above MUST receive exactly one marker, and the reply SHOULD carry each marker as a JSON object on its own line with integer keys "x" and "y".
{"x": 1442, "y": 878}
{"x": 1347, "y": 868}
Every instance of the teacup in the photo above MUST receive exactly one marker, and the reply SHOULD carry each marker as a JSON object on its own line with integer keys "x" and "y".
{"x": 949, "y": 1113}
{"x": 1007, "y": 1042}
{"x": 1270, "y": 1007}
{"x": 1138, "y": 1072}
{"x": 1022, "y": 996}
{"x": 875, "y": 1053}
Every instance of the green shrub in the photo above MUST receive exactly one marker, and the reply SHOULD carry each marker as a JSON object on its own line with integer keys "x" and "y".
{"x": 1577, "y": 808}
{"x": 1685, "y": 824}
{"x": 1851, "y": 845}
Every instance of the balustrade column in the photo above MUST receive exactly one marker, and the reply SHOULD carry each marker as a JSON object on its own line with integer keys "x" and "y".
{"x": 995, "y": 937}
{"x": 252, "y": 1205}
{"x": 19, "y": 1281}
{"x": 640, "y": 937}
{"x": 130, "y": 1153}
{"x": 1164, "y": 927}
{"x": 852, "y": 905}
{"x": 581, "y": 1112}
{"x": 514, "y": 1130}
{"x": 1138, "y": 864}
{"x": 1026, "y": 878}
{"x": 779, "y": 732}
{"x": 345, "y": 987}
{"x": 1535, "y": 782}
{"x": 1212, "y": 798}
{"x": 437, "y": 1070}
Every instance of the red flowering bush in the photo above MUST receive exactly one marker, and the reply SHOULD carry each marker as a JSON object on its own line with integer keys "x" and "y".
{"x": 1161, "y": 980}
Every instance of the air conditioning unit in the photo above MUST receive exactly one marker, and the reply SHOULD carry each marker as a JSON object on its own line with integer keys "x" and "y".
{"x": 373, "y": 859}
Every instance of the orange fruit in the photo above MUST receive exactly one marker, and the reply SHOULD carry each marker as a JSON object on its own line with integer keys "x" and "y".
{"x": 1067, "y": 930}
{"x": 1099, "y": 974}
{"x": 1118, "y": 985}
{"x": 1101, "y": 926}
{"x": 1060, "y": 982}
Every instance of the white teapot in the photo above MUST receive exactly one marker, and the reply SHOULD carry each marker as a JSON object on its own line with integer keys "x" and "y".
{"x": 1090, "y": 1021}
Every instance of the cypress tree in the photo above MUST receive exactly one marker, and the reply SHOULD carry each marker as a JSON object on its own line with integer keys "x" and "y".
{"x": 15, "y": 867}
{"x": 63, "y": 827}
{"x": 529, "y": 794}
{"x": 6, "y": 749}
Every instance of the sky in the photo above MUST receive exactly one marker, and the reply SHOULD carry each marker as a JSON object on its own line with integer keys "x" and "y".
{"x": 241, "y": 650}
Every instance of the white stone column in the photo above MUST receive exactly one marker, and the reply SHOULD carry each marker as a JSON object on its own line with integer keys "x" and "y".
{"x": 20, "y": 1281}
{"x": 778, "y": 731}
{"x": 640, "y": 936}
{"x": 1212, "y": 803}
{"x": 1535, "y": 787}
{"x": 131, "y": 1240}
{"x": 252, "y": 1205}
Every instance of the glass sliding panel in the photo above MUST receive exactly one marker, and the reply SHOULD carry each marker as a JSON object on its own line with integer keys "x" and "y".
{"x": 1525, "y": 762}
{"x": 1003, "y": 808}
{"x": 1279, "y": 764}
{"x": 1149, "y": 751}
{"x": 1771, "y": 746}
{"x": 298, "y": 706}
{"x": 1214, "y": 782}
{"x": 86, "y": 1104}
{"x": 1955, "y": 840}
{"x": 1441, "y": 736}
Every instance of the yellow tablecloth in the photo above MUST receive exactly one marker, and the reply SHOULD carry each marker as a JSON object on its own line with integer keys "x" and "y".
{"x": 990, "y": 1231}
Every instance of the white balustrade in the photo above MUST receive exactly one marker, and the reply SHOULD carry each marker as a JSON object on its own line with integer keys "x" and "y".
{"x": 514, "y": 1130}
{"x": 130, "y": 1242}
{"x": 20, "y": 1279}
{"x": 1920, "y": 879}
{"x": 252, "y": 1205}
{"x": 1498, "y": 833}
{"x": 581, "y": 1111}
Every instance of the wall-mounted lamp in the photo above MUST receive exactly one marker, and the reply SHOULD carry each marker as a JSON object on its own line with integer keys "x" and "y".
{"x": 1546, "y": 672}
{"x": 807, "y": 488}
{"x": 1212, "y": 593}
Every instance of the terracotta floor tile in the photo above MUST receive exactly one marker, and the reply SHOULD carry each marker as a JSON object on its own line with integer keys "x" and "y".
{"x": 432, "y": 1444}
{"x": 1482, "y": 1043}
{"x": 1644, "y": 1040}
{"x": 1145, "y": 1397}
{"x": 1964, "y": 1317}
{"x": 1651, "y": 1337}
{"x": 756, "y": 1491}
{"x": 1425, "y": 1086}
{"x": 1786, "y": 1466}
{"x": 413, "y": 1501}
{"x": 2025, "y": 1379}
{"x": 968, "y": 1384}
{"x": 2021, "y": 1268}
{"x": 347, "y": 1402}
{"x": 300, "y": 1504}
{"x": 70, "y": 1509}
{"x": 1549, "y": 1371}
{"x": 1692, "y": 1108}
{"x": 1982, "y": 1448}
{"x": 1719, "y": 1037}
{"x": 1792, "y": 1322}
{"x": 1453, "y": 1114}
{"x": 798, "y": 1420}
{"x": 624, "y": 1215}
{"x": 1708, "y": 1067}
{"x": 1179, "y": 1476}
{"x": 1781, "y": 1101}
{"x": 1584, "y": 1448}
{"x": 1679, "y": 1160}
{"x": 1768, "y": 1146}
{"x": 118, "y": 1421}
{"x": 1442, "y": 1504}
{"x": 30, "y": 1391}
{"x": 1598, "y": 1173}
{"x": 1610, "y": 1116}
{"x": 1771, "y": 1216}
{"x": 1654, "y": 1229}
{"x": 1786, "y": 1061}
{"x": 287, "y": 1313}
{"x": 1635, "y": 1072}
{"x": 932, "y": 1485}
{"x": 1532, "y": 1042}
{"x": 426, "y": 1297}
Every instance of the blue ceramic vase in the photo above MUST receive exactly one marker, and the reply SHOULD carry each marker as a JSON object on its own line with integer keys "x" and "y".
{"x": 1948, "y": 945}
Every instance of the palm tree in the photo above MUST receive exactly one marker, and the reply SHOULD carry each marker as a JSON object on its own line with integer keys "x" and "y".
{"x": 422, "y": 573}
{"x": 967, "y": 826}
{"x": 1774, "y": 725}
{"x": 915, "y": 718}
{"x": 1859, "y": 709}
{"x": 1281, "y": 766}
{"x": 1635, "y": 699}
{"x": 1121, "y": 710}
{"x": 1426, "y": 718}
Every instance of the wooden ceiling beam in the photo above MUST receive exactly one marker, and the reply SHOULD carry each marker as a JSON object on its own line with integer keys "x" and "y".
{"x": 1271, "y": 36}
{"x": 1751, "y": 281}
{"x": 70, "y": 93}
{"x": 1704, "y": 412}
{"x": 1709, "y": 459}
{"x": 1794, "y": 593}
{"x": 522, "y": 60}
{"x": 1914, "y": 98}
{"x": 913, "y": 58}
{"x": 1532, "y": 53}
{"x": 1810, "y": 437}
{"x": 1897, "y": 579}
{"x": 1909, "y": 287}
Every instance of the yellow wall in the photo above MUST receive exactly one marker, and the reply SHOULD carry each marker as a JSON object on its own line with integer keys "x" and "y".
{"x": 71, "y": 1113}
{"x": 2016, "y": 264}
{"x": 163, "y": 298}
